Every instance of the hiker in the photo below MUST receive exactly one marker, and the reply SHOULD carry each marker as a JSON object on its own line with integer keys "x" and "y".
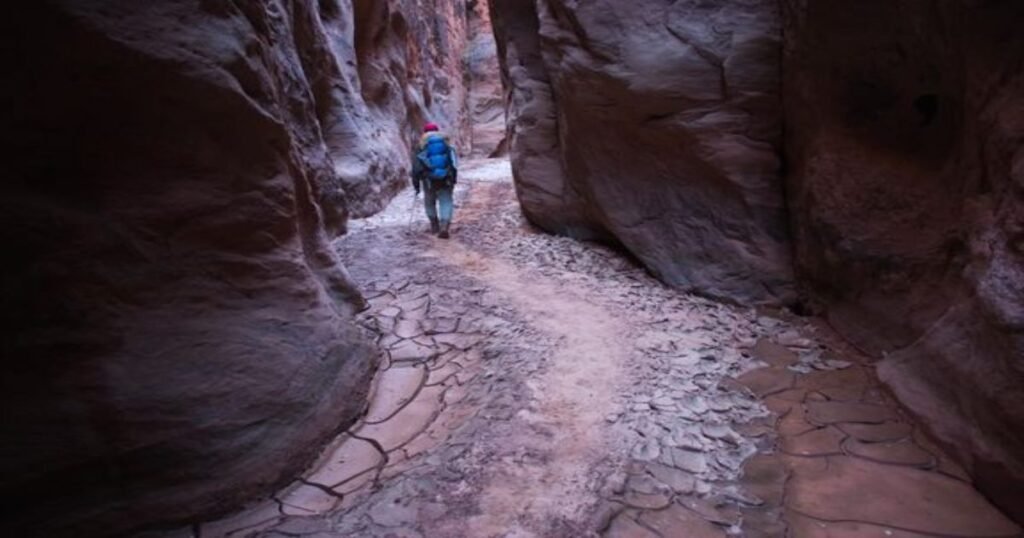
{"x": 434, "y": 169}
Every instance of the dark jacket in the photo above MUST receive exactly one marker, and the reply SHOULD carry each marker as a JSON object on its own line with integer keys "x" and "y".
{"x": 419, "y": 169}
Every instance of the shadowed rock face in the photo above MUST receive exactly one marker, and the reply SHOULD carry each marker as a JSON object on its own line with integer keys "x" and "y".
{"x": 486, "y": 96}
{"x": 656, "y": 126}
{"x": 393, "y": 66}
{"x": 177, "y": 335}
{"x": 659, "y": 127}
{"x": 907, "y": 199}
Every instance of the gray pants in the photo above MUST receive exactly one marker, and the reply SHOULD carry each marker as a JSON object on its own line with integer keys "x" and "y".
{"x": 438, "y": 195}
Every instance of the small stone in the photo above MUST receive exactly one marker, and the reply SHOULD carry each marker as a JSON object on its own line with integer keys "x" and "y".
{"x": 678, "y": 481}
{"x": 664, "y": 402}
{"x": 645, "y": 501}
{"x": 647, "y": 450}
{"x": 732, "y": 460}
{"x": 742, "y": 497}
{"x": 766, "y": 381}
{"x": 714, "y": 511}
{"x": 407, "y": 328}
{"x": 689, "y": 461}
{"x": 835, "y": 364}
{"x": 721, "y": 404}
{"x": 640, "y": 407}
{"x": 773, "y": 354}
{"x": 391, "y": 312}
{"x": 716, "y": 431}
{"x": 696, "y": 404}
{"x": 688, "y": 441}
{"x": 801, "y": 368}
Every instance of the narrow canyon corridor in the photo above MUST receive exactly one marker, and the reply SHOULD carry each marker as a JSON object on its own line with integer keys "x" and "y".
{"x": 536, "y": 386}
{"x": 731, "y": 268}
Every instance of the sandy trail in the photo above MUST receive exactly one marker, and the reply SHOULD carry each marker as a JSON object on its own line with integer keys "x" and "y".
{"x": 538, "y": 387}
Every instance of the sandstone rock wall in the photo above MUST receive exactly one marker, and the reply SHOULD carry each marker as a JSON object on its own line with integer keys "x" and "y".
{"x": 657, "y": 126}
{"x": 905, "y": 125}
{"x": 393, "y": 65}
{"x": 177, "y": 326}
{"x": 899, "y": 210}
{"x": 486, "y": 96}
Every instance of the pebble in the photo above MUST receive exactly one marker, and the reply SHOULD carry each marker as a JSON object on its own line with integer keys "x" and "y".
{"x": 646, "y": 451}
{"x": 689, "y": 461}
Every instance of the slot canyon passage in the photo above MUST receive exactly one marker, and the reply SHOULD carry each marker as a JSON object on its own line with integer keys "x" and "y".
{"x": 733, "y": 268}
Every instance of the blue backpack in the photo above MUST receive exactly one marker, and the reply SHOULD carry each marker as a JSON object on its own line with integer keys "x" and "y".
{"x": 436, "y": 156}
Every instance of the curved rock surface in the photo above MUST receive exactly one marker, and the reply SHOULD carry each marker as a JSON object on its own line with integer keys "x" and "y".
{"x": 486, "y": 95}
{"x": 656, "y": 126}
{"x": 393, "y": 65}
{"x": 907, "y": 199}
{"x": 178, "y": 332}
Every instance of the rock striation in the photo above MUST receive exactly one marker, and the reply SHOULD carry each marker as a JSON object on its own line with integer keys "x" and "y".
{"x": 656, "y": 126}
{"x": 178, "y": 330}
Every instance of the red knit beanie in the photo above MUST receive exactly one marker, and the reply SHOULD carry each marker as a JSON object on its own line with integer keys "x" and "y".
{"x": 430, "y": 127}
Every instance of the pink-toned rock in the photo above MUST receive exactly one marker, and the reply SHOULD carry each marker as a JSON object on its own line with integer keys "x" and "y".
{"x": 395, "y": 65}
{"x": 486, "y": 95}
{"x": 183, "y": 334}
{"x": 820, "y": 442}
{"x": 903, "y": 452}
{"x": 656, "y": 126}
{"x": 849, "y": 489}
{"x": 876, "y": 433}
{"x": 179, "y": 320}
{"x": 766, "y": 381}
{"x": 678, "y": 522}
{"x": 905, "y": 190}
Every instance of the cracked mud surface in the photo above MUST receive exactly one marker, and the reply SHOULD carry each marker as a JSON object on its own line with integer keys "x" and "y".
{"x": 534, "y": 386}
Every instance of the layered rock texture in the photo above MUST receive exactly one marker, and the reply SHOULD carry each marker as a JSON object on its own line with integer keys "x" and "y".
{"x": 395, "y": 65}
{"x": 906, "y": 191}
{"x": 177, "y": 334}
{"x": 486, "y": 95}
{"x": 658, "y": 125}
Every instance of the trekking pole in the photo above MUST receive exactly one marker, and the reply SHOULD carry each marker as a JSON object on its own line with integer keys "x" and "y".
{"x": 412, "y": 210}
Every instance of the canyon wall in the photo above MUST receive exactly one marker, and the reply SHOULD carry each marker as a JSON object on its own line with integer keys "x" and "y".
{"x": 657, "y": 127}
{"x": 178, "y": 333}
{"x": 899, "y": 208}
{"x": 905, "y": 125}
{"x": 393, "y": 66}
{"x": 486, "y": 94}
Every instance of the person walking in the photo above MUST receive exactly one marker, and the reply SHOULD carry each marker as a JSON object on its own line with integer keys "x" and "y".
{"x": 435, "y": 171}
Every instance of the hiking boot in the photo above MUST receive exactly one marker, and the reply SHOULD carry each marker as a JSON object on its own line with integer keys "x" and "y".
{"x": 434, "y": 226}
{"x": 444, "y": 231}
